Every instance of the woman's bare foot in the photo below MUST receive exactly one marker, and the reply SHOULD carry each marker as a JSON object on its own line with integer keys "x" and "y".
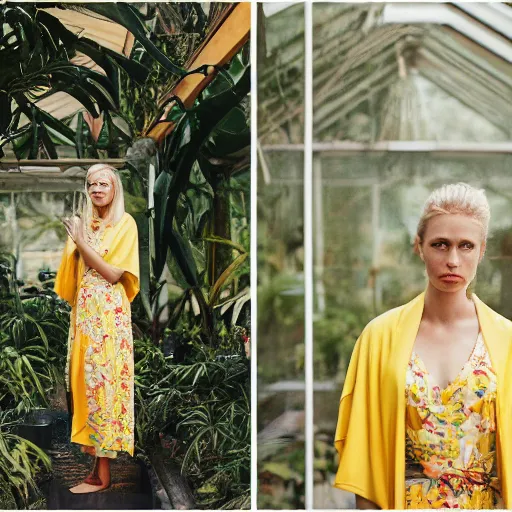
{"x": 86, "y": 488}
{"x": 102, "y": 472}
{"x": 93, "y": 478}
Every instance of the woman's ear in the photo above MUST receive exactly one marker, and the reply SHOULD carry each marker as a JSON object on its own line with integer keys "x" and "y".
{"x": 482, "y": 251}
{"x": 417, "y": 247}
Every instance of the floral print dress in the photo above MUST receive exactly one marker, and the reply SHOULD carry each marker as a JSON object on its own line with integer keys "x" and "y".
{"x": 100, "y": 361}
{"x": 451, "y": 437}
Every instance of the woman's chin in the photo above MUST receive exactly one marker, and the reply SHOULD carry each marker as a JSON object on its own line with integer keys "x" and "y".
{"x": 449, "y": 288}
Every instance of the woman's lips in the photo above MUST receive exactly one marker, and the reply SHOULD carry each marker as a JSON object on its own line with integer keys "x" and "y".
{"x": 451, "y": 278}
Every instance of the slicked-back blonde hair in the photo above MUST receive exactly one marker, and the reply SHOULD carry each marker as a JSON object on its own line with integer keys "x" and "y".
{"x": 116, "y": 207}
{"x": 459, "y": 198}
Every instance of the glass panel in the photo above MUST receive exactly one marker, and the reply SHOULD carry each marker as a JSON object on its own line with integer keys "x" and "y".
{"x": 280, "y": 257}
{"x": 377, "y": 80}
{"x": 370, "y": 209}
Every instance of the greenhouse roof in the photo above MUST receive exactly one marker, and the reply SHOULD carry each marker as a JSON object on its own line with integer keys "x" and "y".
{"x": 227, "y": 32}
{"x": 367, "y": 56}
{"x": 92, "y": 26}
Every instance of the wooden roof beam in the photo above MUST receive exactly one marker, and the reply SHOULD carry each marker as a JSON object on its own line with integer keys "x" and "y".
{"x": 227, "y": 40}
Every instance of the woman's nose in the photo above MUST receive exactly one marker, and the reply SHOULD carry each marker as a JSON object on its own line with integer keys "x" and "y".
{"x": 453, "y": 258}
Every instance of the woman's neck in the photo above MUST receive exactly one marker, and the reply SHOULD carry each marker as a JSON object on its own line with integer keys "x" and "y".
{"x": 102, "y": 212}
{"x": 444, "y": 307}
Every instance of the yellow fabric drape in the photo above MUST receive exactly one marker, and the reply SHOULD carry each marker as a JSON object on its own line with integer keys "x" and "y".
{"x": 370, "y": 434}
{"x": 121, "y": 244}
{"x": 100, "y": 369}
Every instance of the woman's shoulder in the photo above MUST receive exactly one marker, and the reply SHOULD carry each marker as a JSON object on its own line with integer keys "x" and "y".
{"x": 128, "y": 219}
{"x": 498, "y": 319}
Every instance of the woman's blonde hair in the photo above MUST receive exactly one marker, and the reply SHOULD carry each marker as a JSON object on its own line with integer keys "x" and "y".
{"x": 115, "y": 208}
{"x": 459, "y": 198}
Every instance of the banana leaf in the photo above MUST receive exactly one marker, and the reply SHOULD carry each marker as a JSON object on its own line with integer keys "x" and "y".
{"x": 129, "y": 17}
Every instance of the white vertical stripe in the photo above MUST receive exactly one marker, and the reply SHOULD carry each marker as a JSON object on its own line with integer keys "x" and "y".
{"x": 254, "y": 260}
{"x": 308, "y": 248}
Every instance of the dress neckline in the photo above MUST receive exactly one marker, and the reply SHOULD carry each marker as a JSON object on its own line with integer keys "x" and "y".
{"x": 416, "y": 356}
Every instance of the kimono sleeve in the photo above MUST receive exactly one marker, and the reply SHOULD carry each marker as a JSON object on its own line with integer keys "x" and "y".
{"x": 124, "y": 254}
{"x": 354, "y": 440}
{"x": 67, "y": 275}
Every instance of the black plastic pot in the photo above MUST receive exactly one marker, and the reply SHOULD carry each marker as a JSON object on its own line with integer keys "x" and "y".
{"x": 38, "y": 428}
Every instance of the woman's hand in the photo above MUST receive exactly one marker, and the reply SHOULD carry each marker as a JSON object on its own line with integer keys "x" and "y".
{"x": 73, "y": 227}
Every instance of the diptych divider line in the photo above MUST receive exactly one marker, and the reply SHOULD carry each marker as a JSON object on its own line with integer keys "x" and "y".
{"x": 253, "y": 258}
{"x": 308, "y": 250}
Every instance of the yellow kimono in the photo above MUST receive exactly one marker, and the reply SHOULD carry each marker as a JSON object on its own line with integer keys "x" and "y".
{"x": 100, "y": 368}
{"x": 370, "y": 435}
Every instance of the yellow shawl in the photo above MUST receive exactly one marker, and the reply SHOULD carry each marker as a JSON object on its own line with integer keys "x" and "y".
{"x": 370, "y": 435}
{"x": 122, "y": 251}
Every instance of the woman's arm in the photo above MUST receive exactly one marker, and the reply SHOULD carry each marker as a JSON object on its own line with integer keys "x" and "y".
{"x": 91, "y": 258}
{"x": 364, "y": 504}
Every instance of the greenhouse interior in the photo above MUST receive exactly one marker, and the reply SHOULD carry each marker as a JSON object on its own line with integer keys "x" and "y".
{"x": 160, "y": 92}
{"x": 406, "y": 97}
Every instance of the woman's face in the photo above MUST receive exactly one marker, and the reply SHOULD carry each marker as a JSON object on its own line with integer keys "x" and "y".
{"x": 452, "y": 247}
{"x": 100, "y": 188}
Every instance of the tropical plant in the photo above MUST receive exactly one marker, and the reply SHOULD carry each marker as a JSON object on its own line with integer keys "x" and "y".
{"x": 201, "y": 410}
{"x": 30, "y": 366}
{"x": 193, "y": 232}
{"x": 43, "y": 48}
{"x": 20, "y": 462}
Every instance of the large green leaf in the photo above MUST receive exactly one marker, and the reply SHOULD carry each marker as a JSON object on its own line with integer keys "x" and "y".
{"x": 182, "y": 252}
{"x": 85, "y": 147}
{"x": 102, "y": 55}
{"x": 129, "y": 17}
{"x": 191, "y": 132}
{"x": 161, "y": 195}
{"x": 64, "y": 131}
{"x": 232, "y": 134}
{"x": 48, "y": 144}
{"x": 144, "y": 260}
{"x": 5, "y": 112}
{"x": 226, "y": 276}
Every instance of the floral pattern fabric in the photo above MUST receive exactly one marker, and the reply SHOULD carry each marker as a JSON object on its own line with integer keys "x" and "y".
{"x": 103, "y": 334}
{"x": 451, "y": 437}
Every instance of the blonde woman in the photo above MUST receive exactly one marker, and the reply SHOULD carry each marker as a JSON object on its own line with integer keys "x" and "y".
{"x": 99, "y": 277}
{"x": 425, "y": 416}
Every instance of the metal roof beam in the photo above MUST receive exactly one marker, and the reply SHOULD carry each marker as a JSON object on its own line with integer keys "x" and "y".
{"x": 459, "y": 43}
{"x": 325, "y": 109}
{"x": 29, "y": 183}
{"x": 357, "y": 72}
{"x": 61, "y": 163}
{"x": 443, "y": 14}
{"x": 327, "y": 123}
{"x": 460, "y": 83}
{"x": 364, "y": 50}
{"x": 496, "y": 16}
{"x": 399, "y": 146}
{"x": 484, "y": 92}
{"x": 456, "y": 59}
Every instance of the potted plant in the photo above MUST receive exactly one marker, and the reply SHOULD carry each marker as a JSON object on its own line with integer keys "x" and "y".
{"x": 37, "y": 427}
